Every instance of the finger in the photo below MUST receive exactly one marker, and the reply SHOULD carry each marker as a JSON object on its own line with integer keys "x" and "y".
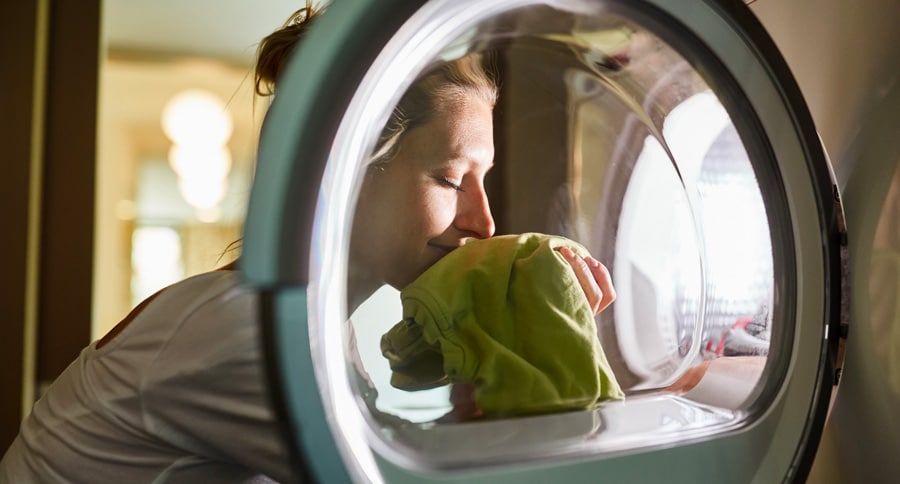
{"x": 604, "y": 280}
{"x": 585, "y": 277}
{"x": 462, "y": 396}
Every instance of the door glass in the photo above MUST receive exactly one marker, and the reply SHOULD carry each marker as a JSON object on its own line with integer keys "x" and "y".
{"x": 608, "y": 135}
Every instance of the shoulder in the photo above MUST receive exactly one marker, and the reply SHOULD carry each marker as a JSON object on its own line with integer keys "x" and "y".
{"x": 215, "y": 298}
{"x": 164, "y": 313}
{"x": 215, "y": 307}
{"x": 213, "y": 344}
{"x": 205, "y": 287}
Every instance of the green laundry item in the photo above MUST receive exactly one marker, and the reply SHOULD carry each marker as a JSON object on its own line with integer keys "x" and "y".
{"x": 508, "y": 315}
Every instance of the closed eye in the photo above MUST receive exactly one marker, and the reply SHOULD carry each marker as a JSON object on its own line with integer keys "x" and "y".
{"x": 448, "y": 183}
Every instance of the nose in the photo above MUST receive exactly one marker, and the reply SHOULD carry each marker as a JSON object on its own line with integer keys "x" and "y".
{"x": 474, "y": 214}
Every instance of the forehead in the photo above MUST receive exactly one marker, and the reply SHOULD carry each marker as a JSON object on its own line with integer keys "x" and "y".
{"x": 461, "y": 130}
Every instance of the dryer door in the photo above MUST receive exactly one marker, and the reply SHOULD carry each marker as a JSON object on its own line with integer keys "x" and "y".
{"x": 668, "y": 138}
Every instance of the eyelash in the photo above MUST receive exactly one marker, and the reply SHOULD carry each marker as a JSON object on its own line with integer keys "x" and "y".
{"x": 449, "y": 183}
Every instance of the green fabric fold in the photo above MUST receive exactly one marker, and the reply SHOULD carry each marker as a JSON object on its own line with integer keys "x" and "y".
{"x": 508, "y": 315}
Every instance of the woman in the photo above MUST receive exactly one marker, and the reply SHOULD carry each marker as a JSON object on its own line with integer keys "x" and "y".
{"x": 429, "y": 166}
{"x": 176, "y": 392}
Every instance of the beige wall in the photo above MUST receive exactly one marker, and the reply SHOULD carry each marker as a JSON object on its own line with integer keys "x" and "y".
{"x": 74, "y": 121}
{"x": 133, "y": 93}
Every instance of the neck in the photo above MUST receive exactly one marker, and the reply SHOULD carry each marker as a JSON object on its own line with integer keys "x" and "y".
{"x": 359, "y": 287}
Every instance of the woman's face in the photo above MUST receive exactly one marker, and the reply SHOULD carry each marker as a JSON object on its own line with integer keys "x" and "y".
{"x": 427, "y": 200}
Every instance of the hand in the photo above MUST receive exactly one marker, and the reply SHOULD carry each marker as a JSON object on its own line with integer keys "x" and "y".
{"x": 462, "y": 396}
{"x": 594, "y": 278}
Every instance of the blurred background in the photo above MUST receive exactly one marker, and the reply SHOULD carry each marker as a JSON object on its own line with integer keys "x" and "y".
{"x": 131, "y": 132}
{"x": 177, "y": 127}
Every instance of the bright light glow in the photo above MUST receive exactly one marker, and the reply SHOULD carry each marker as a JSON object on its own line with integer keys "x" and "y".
{"x": 719, "y": 189}
{"x": 197, "y": 162}
{"x": 156, "y": 259}
{"x": 199, "y": 126}
{"x": 200, "y": 193}
{"x": 208, "y": 215}
{"x": 737, "y": 233}
{"x": 690, "y": 130}
{"x": 197, "y": 117}
{"x": 735, "y": 229}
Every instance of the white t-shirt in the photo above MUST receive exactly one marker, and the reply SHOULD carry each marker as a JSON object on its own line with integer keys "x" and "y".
{"x": 180, "y": 395}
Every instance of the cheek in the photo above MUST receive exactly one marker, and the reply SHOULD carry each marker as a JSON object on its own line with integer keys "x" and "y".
{"x": 377, "y": 212}
{"x": 436, "y": 209}
{"x": 408, "y": 204}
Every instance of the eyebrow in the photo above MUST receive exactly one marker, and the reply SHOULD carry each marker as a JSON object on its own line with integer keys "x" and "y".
{"x": 459, "y": 158}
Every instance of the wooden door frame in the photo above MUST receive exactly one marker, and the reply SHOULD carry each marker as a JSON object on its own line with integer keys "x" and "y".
{"x": 50, "y": 51}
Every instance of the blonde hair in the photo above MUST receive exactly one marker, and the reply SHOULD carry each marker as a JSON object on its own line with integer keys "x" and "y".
{"x": 445, "y": 84}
